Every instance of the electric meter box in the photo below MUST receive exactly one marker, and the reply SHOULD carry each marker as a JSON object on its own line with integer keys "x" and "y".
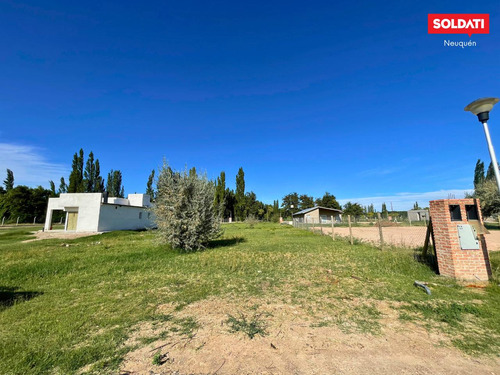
{"x": 458, "y": 237}
{"x": 467, "y": 237}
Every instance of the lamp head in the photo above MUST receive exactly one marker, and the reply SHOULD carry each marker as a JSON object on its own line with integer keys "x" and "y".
{"x": 482, "y": 107}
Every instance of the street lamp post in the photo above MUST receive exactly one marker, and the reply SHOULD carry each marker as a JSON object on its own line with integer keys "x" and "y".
{"x": 481, "y": 108}
{"x": 291, "y": 212}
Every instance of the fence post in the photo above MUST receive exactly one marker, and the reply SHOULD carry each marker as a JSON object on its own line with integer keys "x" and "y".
{"x": 350, "y": 228}
{"x": 333, "y": 229}
{"x": 3, "y": 219}
{"x": 380, "y": 230}
{"x": 321, "y": 226}
{"x": 34, "y": 220}
{"x": 17, "y": 223}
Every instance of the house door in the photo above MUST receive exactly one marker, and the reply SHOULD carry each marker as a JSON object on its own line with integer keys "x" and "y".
{"x": 72, "y": 220}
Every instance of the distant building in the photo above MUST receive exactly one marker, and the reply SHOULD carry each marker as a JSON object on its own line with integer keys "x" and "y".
{"x": 95, "y": 212}
{"x": 316, "y": 215}
{"x": 418, "y": 215}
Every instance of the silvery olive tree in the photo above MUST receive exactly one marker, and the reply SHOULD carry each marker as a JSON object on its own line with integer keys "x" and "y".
{"x": 184, "y": 209}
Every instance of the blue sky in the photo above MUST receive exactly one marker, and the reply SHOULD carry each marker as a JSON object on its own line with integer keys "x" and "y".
{"x": 353, "y": 98}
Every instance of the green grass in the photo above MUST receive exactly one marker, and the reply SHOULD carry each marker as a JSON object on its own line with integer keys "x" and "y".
{"x": 65, "y": 308}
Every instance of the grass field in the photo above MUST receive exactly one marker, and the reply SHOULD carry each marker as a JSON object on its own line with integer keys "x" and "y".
{"x": 70, "y": 305}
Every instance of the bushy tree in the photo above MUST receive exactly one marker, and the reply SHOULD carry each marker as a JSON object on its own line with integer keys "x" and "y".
{"x": 184, "y": 209}
{"x": 290, "y": 200}
{"x": 306, "y": 201}
{"x": 25, "y": 203}
{"x": 489, "y": 197}
{"x": 353, "y": 209}
{"x": 329, "y": 201}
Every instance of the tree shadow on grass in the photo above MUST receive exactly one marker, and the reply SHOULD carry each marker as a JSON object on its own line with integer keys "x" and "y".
{"x": 9, "y": 297}
{"x": 225, "y": 242}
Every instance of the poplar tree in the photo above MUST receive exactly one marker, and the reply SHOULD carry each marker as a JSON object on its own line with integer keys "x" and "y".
{"x": 114, "y": 185}
{"x": 63, "y": 188}
{"x": 240, "y": 195}
{"x": 220, "y": 193}
{"x": 478, "y": 173}
{"x": 9, "y": 181}
{"x": 52, "y": 188}
{"x": 76, "y": 184}
{"x": 385, "y": 213}
{"x": 149, "y": 186}
{"x": 93, "y": 182}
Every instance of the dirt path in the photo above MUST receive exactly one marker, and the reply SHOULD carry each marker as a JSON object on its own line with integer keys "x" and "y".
{"x": 40, "y": 235}
{"x": 401, "y": 236}
{"x": 294, "y": 345}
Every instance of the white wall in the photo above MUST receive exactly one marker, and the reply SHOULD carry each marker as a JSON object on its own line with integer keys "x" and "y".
{"x": 115, "y": 217}
{"x": 139, "y": 200}
{"x": 86, "y": 204}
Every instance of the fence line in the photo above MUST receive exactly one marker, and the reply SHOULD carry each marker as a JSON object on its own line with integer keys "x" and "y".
{"x": 380, "y": 232}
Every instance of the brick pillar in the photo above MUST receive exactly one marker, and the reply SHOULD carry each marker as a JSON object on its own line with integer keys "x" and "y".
{"x": 454, "y": 261}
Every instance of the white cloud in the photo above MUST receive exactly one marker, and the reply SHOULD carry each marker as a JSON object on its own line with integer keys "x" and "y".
{"x": 405, "y": 201}
{"x": 29, "y": 165}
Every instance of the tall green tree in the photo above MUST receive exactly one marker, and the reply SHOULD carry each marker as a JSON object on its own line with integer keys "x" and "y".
{"x": 353, "y": 209}
{"x": 9, "y": 180}
{"x": 149, "y": 186}
{"x": 230, "y": 204}
{"x": 76, "y": 184}
{"x": 24, "y": 203}
{"x": 479, "y": 173}
{"x": 220, "y": 194}
{"x": 63, "y": 188}
{"x": 288, "y": 201}
{"x": 490, "y": 173}
{"x": 416, "y": 206}
{"x": 329, "y": 201}
{"x": 114, "y": 184}
{"x": 53, "y": 192}
{"x": 240, "y": 206}
{"x": 92, "y": 182}
{"x": 306, "y": 201}
{"x": 385, "y": 213}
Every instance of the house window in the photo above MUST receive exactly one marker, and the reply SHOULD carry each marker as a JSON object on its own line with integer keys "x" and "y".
{"x": 140, "y": 215}
{"x": 149, "y": 215}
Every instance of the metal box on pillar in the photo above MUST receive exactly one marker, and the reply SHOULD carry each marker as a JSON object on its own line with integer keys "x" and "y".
{"x": 459, "y": 239}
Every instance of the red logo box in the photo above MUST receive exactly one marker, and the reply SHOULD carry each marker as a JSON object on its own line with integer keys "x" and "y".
{"x": 458, "y": 24}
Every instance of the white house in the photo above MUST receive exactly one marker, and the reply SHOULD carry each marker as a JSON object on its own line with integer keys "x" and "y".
{"x": 94, "y": 212}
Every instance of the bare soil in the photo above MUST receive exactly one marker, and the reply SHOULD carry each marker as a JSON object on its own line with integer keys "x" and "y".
{"x": 401, "y": 236}
{"x": 294, "y": 344}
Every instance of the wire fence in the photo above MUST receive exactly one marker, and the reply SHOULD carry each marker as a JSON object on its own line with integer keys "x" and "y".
{"x": 379, "y": 232}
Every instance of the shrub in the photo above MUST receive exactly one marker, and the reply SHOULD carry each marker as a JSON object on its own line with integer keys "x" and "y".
{"x": 184, "y": 211}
